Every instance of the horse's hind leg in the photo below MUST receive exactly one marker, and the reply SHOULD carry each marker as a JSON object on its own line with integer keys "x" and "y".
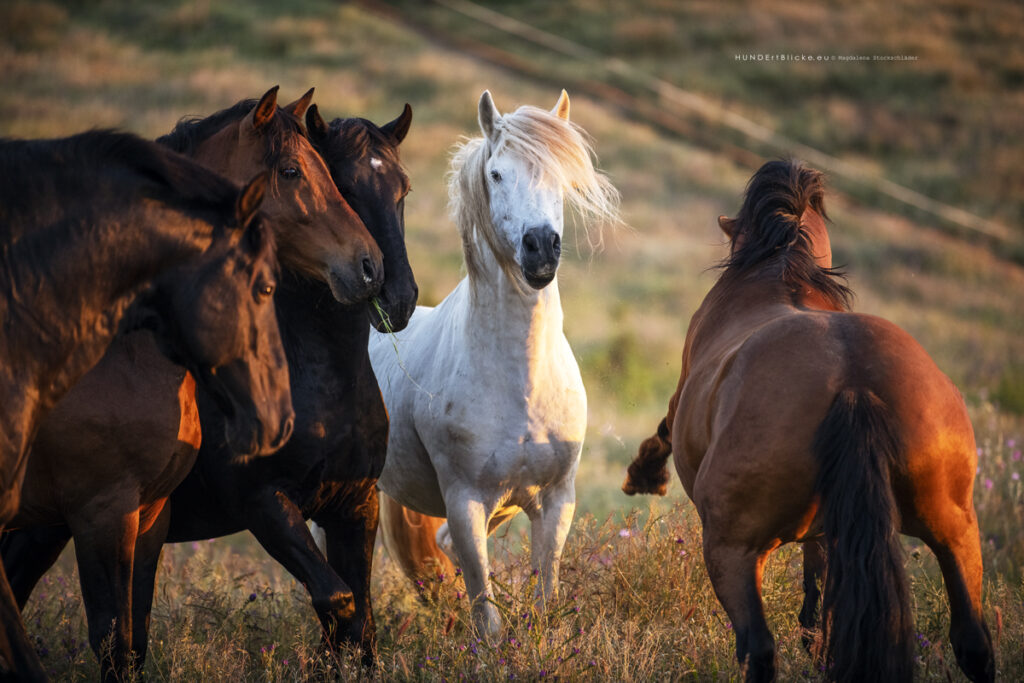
{"x": 411, "y": 540}
{"x": 735, "y": 573}
{"x": 28, "y": 554}
{"x": 814, "y": 568}
{"x": 957, "y": 546}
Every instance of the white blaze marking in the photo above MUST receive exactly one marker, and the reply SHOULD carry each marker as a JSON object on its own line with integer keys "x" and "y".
{"x": 377, "y": 164}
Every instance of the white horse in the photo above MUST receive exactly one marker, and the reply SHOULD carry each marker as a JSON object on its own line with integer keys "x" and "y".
{"x": 487, "y": 407}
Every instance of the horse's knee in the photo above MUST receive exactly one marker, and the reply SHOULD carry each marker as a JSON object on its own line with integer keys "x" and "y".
{"x": 337, "y": 606}
{"x": 972, "y": 646}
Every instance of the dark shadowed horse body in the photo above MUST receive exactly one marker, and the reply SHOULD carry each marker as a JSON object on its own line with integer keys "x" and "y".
{"x": 798, "y": 421}
{"x": 134, "y": 418}
{"x": 328, "y": 471}
{"x": 91, "y": 224}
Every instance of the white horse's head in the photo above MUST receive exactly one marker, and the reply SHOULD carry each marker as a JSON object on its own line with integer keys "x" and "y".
{"x": 508, "y": 188}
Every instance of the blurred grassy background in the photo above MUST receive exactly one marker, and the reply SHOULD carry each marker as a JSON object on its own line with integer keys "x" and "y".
{"x": 947, "y": 125}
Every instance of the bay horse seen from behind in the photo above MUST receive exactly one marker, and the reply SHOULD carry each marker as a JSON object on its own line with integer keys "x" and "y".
{"x": 487, "y": 407}
{"x": 97, "y": 223}
{"x": 796, "y": 420}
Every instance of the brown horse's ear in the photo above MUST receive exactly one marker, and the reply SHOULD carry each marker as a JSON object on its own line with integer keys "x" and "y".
{"x": 399, "y": 128}
{"x": 299, "y": 106}
{"x": 561, "y": 109}
{"x": 487, "y": 115}
{"x": 316, "y": 127}
{"x": 263, "y": 112}
{"x": 250, "y": 199}
{"x": 728, "y": 225}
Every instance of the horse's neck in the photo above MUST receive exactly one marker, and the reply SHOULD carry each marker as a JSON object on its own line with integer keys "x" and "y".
{"x": 69, "y": 291}
{"x": 309, "y": 313}
{"x": 513, "y": 325}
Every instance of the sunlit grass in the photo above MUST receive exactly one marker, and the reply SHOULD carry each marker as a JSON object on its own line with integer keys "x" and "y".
{"x": 635, "y": 604}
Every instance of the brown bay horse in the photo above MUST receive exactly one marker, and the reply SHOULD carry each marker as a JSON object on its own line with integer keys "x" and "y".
{"x": 796, "y": 420}
{"x": 113, "y": 450}
{"x": 105, "y": 229}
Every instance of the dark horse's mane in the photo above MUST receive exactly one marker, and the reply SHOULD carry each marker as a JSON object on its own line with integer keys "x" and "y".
{"x": 769, "y": 225}
{"x": 192, "y": 131}
{"x": 69, "y": 166}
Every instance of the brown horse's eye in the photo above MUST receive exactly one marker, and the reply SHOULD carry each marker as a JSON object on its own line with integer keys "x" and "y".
{"x": 290, "y": 173}
{"x": 266, "y": 289}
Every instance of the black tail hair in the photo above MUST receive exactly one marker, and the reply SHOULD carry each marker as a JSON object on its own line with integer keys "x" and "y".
{"x": 867, "y": 620}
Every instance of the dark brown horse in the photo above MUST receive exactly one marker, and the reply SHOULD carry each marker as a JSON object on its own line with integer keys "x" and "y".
{"x": 91, "y": 224}
{"x": 798, "y": 421}
{"x": 119, "y": 443}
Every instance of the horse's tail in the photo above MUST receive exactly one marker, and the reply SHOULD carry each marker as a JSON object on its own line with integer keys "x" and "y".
{"x": 867, "y": 620}
{"x": 648, "y": 473}
{"x": 411, "y": 540}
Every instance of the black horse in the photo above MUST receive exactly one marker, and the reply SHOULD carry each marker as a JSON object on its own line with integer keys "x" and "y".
{"x": 89, "y": 226}
{"x": 329, "y": 469}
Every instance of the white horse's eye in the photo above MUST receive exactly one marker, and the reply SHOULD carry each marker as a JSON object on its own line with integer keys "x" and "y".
{"x": 495, "y": 176}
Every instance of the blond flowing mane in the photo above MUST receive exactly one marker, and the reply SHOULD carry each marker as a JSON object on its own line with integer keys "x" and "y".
{"x": 558, "y": 152}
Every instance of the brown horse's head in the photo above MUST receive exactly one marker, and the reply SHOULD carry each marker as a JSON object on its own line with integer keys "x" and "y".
{"x": 215, "y": 315}
{"x": 317, "y": 232}
{"x": 781, "y": 224}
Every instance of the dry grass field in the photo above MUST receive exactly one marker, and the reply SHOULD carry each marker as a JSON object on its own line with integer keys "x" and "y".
{"x": 636, "y": 603}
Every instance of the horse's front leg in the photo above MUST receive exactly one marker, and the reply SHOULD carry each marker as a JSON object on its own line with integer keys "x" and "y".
{"x": 105, "y": 551}
{"x": 19, "y": 659}
{"x": 350, "y": 530}
{"x": 467, "y": 524}
{"x": 549, "y": 529}
{"x": 148, "y": 548}
{"x": 278, "y": 525}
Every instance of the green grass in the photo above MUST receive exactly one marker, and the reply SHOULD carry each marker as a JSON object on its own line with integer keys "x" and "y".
{"x": 946, "y": 125}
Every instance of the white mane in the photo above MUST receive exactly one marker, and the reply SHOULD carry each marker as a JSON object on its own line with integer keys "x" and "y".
{"x": 559, "y": 154}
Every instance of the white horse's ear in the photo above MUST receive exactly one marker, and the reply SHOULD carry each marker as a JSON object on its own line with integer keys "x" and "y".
{"x": 561, "y": 109}
{"x": 487, "y": 114}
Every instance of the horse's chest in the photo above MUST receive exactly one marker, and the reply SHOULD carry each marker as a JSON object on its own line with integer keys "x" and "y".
{"x": 511, "y": 439}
